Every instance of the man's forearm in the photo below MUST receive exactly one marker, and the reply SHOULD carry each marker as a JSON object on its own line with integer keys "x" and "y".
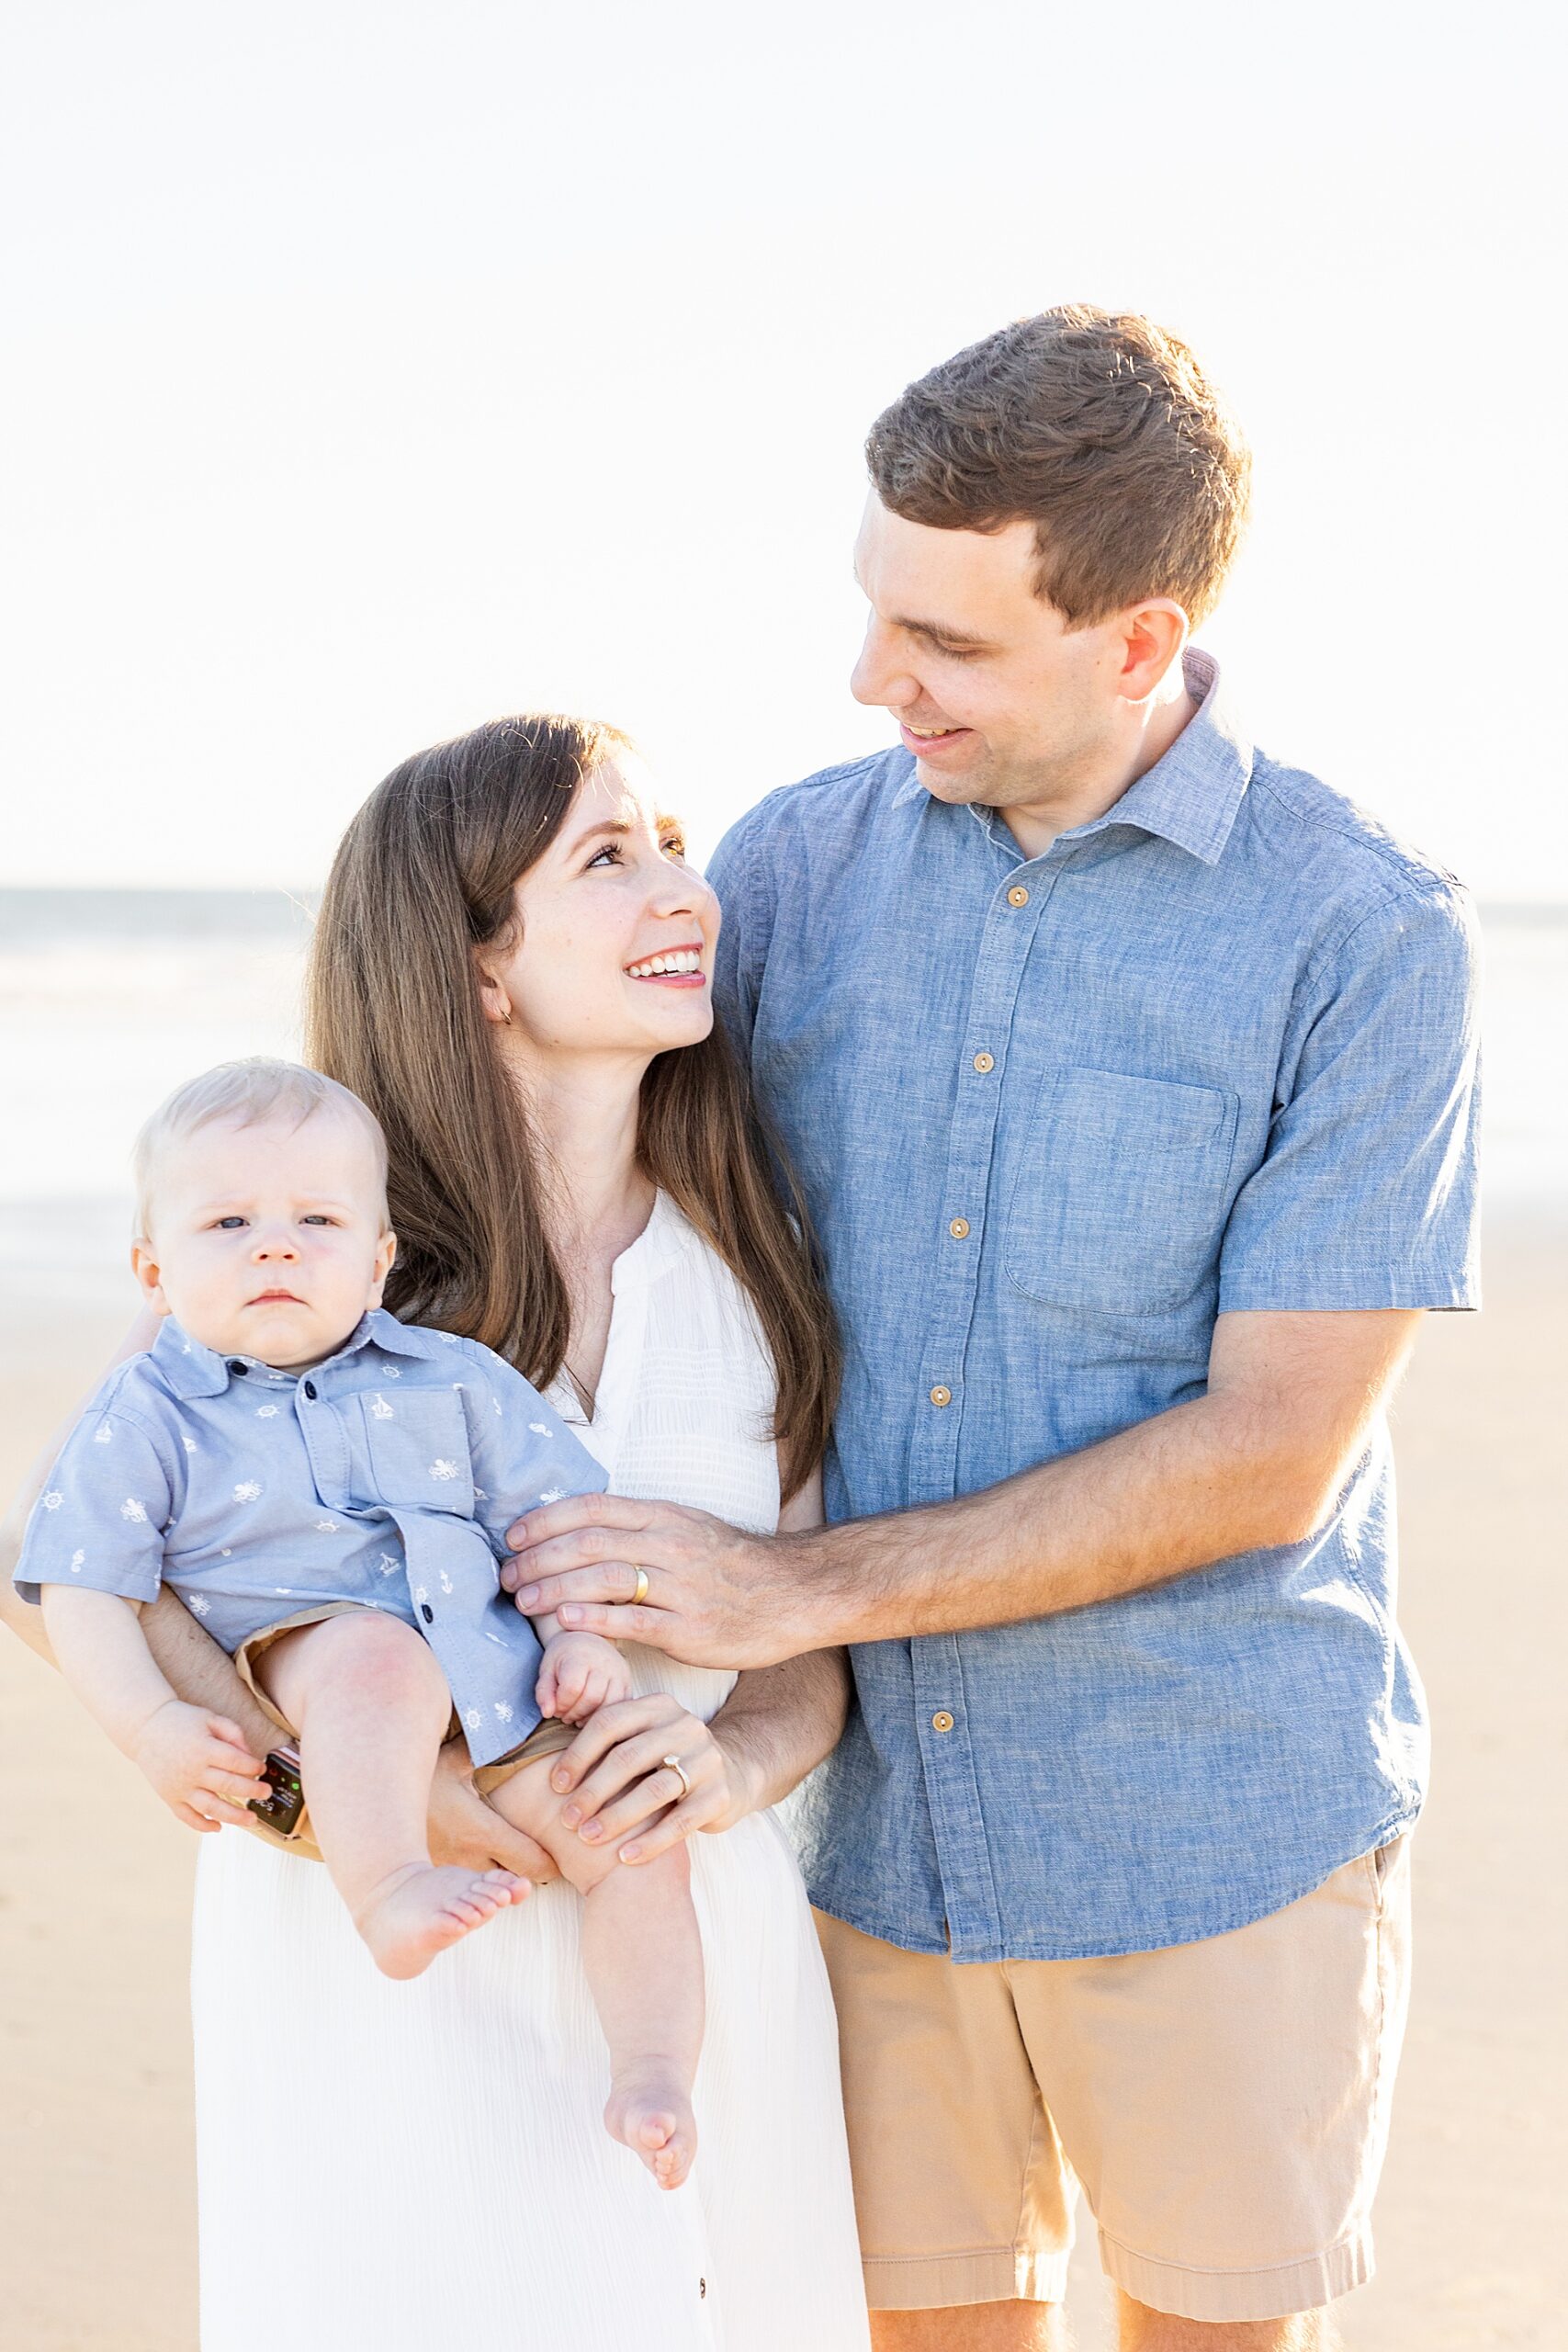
{"x": 1243, "y": 1469}
{"x": 779, "y": 1722}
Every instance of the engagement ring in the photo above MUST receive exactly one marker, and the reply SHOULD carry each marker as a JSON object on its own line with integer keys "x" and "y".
{"x": 673, "y": 1764}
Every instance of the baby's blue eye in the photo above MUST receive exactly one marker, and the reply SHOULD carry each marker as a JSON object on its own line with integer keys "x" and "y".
{"x": 316, "y": 1217}
{"x": 228, "y": 1224}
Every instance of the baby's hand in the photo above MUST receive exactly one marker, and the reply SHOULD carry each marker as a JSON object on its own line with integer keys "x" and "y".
{"x": 581, "y": 1673}
{"x": 199, "y": 1765}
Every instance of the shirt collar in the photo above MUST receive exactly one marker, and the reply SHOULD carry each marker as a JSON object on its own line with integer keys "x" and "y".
{"x": 192, "y": 1369}
{"x": 1190, "y": 796}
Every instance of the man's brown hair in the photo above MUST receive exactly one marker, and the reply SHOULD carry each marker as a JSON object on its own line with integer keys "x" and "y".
{"x": 1100, "y": 429}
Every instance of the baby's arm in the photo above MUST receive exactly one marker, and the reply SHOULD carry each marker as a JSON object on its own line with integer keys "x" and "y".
{"x": 582, "y": 1672}
{"x": 197, "y": 1762}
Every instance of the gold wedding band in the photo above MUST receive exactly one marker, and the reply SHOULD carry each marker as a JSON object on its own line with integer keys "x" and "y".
{"x": 642, "y": 1593}
{"x": 673, "y": 1764}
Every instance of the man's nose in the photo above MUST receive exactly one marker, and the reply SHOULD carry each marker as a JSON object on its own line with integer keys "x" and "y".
{"x": 877, "y": 677}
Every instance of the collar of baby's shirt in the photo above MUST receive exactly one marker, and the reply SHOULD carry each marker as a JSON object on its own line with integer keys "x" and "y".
{"x": 193, "y": 1369}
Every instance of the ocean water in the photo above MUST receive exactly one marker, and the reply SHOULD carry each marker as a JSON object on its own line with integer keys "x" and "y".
{"x": 109, "y": 997}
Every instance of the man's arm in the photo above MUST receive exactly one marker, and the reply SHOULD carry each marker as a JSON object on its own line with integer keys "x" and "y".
{"x": 1254, "y": 1462}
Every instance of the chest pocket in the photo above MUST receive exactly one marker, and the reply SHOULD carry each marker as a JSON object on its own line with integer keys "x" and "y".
{"x": 1120, "y": 1202}
{"x": 418, "y": 1443}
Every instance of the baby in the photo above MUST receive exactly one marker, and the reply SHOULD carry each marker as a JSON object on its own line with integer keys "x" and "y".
{"x": 327, "y": 1491}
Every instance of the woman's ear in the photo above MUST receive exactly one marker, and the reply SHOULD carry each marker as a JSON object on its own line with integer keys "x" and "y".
{"x": 148, "y": 1273}
{"x": 494, "y": 1003}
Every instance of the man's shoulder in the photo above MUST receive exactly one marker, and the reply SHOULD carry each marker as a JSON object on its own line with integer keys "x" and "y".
{"x": 835, "y": 802}
{"x": 1340, "y": 853}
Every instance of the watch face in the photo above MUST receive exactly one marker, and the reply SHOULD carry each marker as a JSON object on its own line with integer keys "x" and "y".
{"x": 280, "y": 1811}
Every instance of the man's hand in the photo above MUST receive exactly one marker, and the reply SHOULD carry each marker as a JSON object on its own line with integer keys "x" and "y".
{"x": 199, "y": 1765}
{"x": 714, "y": 1596}
{"x": 464, "y": 1829}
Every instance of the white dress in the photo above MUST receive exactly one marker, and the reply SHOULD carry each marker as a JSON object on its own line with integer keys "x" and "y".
{"x": 396, "y": 2168}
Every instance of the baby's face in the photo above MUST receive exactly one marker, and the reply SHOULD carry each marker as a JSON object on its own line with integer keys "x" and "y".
{"x": 268, "y": 1241}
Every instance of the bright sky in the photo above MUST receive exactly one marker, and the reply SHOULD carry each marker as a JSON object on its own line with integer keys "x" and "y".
{"x": 377, "y": 368}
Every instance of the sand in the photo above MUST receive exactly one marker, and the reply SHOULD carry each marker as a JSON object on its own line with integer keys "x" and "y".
{"x": 97, "y": 2251}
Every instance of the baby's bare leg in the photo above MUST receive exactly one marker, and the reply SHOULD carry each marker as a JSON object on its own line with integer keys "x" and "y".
{"x": 642, "y": 1955}
{"x": 371, "y": 1705}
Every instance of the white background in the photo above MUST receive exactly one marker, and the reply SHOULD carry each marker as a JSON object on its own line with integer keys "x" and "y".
{"x": 374, "y": 368}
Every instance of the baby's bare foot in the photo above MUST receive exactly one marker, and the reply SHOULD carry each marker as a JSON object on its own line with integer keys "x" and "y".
{"x": 650, "y": 2113}
{"x": 417, "y": 1912}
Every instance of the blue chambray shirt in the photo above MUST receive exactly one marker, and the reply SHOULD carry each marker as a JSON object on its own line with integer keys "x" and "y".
{"x": 1215, "y": 1050}
{"x": 387, "y": 1476}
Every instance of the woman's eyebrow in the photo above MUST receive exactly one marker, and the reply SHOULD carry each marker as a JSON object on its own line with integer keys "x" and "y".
{"x": 595, "y": 833}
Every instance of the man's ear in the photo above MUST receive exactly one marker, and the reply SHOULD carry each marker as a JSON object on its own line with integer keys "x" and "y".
{"x": 148, "y": 1273}
{"x": 386, "y": 1250}
{"x": 1152, "y": 636}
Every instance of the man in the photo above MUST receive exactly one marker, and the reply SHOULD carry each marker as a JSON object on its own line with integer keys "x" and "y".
{"x": 1130, "y": 1079}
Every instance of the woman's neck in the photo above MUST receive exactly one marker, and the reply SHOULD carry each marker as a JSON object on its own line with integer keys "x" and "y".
{"x": 584, "y": 1113}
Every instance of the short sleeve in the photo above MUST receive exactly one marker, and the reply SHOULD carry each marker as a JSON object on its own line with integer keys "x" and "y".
{"x": 1367, "y": 1195}
{"x": 734, "y": 874}
{"x": 523, "y": 1453}
{"x": 101, "y": 1519}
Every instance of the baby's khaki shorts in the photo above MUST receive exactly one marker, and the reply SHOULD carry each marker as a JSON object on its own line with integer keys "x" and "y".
{"x": 546, "y": 1739}
{"x": 1224, "y": 2104}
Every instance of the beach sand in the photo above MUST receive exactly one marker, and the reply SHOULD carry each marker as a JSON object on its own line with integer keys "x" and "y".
{"x": 97, "y": 2254}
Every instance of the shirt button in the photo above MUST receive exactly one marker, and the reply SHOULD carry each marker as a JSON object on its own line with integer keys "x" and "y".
{"x": 984, "y": 1062}
{"x": 959, "y": 1228}
{"x": 1018, "y": 896}
{"x": 310, "y": 1390}
{"x": 942, "y": 1720}
{"x": 942, "y": 1396}
{"x": 239, "y": 1369}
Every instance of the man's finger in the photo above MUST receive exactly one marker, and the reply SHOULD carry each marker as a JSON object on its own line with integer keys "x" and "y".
{"x": 567, "y": 1580}
{"x": 594, "y": 1552}
{"x": 578, "y": 1511}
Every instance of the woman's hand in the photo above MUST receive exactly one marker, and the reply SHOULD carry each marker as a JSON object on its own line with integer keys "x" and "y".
{"x": 465, "y": 1829}
{"x": 620, "y": 1788}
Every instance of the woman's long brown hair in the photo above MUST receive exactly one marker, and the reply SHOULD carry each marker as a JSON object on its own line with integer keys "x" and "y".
{"x": 423, "y": 875}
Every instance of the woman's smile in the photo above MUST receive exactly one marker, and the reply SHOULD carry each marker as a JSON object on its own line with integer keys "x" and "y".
{"x": 678, "y": 967}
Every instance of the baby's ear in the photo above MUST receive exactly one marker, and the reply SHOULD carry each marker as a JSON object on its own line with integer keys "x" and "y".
{"x": 386, "y": 1250}
{"x": 148, "y": 1273}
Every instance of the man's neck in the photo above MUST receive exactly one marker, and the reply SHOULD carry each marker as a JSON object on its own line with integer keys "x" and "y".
{"x": 1035, "y": 824}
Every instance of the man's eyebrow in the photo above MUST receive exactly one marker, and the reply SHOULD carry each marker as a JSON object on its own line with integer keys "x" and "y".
{"x": 934, "y": 629}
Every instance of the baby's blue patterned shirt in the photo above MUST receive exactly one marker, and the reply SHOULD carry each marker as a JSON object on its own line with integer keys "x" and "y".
{"x": 387, "y": 1476}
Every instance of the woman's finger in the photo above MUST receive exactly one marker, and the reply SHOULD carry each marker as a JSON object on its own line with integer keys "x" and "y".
{"x": 678, "y": 1824}
{"x": 702, "y": 1792}
{"x": 632, "y": 1761}
{"x": 622, "y": 1719}
{"x": 192, "y": 1820}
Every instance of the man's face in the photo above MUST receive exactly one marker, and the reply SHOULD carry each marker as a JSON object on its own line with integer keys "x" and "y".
{"x": 998, "y": 700}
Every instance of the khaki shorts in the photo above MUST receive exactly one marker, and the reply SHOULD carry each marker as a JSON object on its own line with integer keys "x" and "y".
{"x": 547, "y": 1738}
{"x": 1225, "y": 2105}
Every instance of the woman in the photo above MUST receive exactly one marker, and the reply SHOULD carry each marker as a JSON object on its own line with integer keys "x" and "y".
{"x": 510, "y": 967}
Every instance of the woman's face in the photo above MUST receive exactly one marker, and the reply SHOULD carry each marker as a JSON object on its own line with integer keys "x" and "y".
{"x": 613, "y": 952}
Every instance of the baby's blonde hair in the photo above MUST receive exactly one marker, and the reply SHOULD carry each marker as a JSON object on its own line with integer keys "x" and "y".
{"x": 247, "y": 1093}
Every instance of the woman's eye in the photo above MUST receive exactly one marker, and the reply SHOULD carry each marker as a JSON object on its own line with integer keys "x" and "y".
{"x": 674, "y": 846}
{"x": 609, "y": 855}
